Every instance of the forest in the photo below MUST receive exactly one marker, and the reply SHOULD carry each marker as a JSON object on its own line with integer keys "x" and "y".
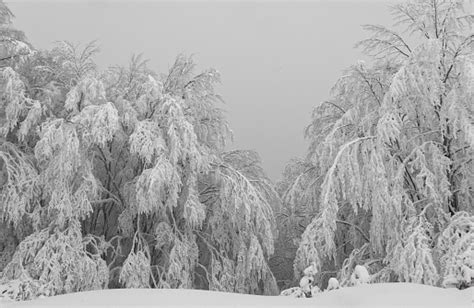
{"x": 123, "y": 177}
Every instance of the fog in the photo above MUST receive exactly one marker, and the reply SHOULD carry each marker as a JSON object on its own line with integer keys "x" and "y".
{"x": 277, "y": 59}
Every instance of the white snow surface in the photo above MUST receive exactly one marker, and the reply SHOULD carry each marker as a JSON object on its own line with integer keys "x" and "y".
{"x": 370, "y": 295}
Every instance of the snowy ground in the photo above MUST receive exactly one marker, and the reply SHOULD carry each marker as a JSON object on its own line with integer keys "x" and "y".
{"x": 375, "y": 295}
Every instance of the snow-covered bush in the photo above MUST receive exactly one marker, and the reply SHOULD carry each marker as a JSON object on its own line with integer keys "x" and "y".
{"x": 293, "y": 292}
{"x": 333, "y": 284}
{"x": 307, "y": 287}
{"x": 306, "y": 283}
{"x": 315, "y": 290}
{"x": 360, "y": 276}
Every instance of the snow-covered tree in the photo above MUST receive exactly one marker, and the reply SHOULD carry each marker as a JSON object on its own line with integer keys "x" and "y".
{"x": 120, "y": 179}
{"x": 388, "y": 176}
{"x": 13, "y": 42}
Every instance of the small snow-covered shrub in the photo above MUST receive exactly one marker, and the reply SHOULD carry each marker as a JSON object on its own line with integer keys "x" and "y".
{"x": 315, "y": 290}
{"x": 360, "y": 275}
{"x": 333, "y": 284}
{"x": 306, "y": 283}
{"x": 306, "y": 288}
{"x": 293, "y": 292}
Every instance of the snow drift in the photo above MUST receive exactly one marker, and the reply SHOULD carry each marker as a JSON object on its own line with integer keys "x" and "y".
{"x": 373, "y": 295}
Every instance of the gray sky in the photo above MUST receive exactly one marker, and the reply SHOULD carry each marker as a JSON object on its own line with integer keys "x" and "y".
{"x": 277, "y": 59}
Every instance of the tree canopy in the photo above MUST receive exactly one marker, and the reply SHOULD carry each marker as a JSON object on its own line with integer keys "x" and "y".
{"x": 121, "y": 178}
{"x": 388, "y": 177}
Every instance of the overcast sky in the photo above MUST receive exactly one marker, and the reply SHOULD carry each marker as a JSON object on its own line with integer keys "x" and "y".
{"x": 277, "y": 59}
